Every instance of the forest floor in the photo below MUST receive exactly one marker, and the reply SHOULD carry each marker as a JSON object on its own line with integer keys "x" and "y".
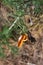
{"x": 31, "y": 53}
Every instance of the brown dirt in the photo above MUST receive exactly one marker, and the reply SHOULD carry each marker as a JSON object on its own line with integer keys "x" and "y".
{"x": 31, "y": 52}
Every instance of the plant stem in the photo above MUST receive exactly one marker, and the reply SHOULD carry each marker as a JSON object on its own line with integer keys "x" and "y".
{"x": 13, "y": 24}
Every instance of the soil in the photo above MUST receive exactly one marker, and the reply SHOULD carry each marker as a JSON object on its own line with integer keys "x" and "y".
{"x": 31, "y": 53}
